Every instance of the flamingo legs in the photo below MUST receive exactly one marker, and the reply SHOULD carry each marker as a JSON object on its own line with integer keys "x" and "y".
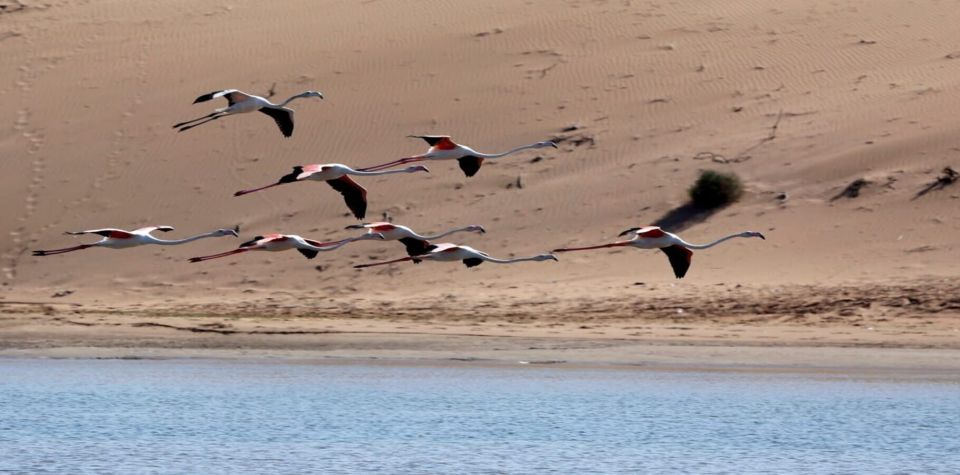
{"x": 215, "y": 256}
{"x": 392, "y": 164}
{"x": 62, "y": 251}
{"x": 202, "y": 120}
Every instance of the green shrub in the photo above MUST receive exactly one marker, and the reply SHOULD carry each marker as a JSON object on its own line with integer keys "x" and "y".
{"x": 714, "y": 189}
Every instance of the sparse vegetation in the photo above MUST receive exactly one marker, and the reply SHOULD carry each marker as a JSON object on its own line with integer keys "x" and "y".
{"x": 714, "y": 189}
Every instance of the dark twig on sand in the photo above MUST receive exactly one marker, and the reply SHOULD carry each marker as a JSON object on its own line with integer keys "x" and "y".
{"x": 742, "y": 156}
{"x": 852, "y": 190}
{"x": 947, "y": 177}
{"x": 272, "y": 91}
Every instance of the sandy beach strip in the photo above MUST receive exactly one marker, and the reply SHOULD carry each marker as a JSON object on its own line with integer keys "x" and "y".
{"x": 634, "y": 344}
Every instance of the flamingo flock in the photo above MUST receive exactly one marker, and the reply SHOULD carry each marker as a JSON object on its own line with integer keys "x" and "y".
{"x": 418, "y": 247}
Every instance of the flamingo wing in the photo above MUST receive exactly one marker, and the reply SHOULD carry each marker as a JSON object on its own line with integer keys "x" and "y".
{"x": 416, "y": 247}
{"x": 353, "y": 194}
{"x": 232, "y": 96}
{"x": 259, "y": 240}
{"x": 472, "y": 261}
{"x": 470, "y": 165}
{"x": 645, "y": 231}
{"x": 150, "y": 229}
{"x": 283, "y": 117}
{"x": 442, "y": 142}
{"x": 105, "y": 232}
{"x": 679, "y": 259}
{"x": 308, "y": 253}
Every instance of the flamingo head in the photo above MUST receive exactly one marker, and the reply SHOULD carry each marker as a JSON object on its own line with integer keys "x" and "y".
{"x": 476, "y": 228}
{"x": 235, "y": 232}
{"x": 545, "y": 257}
{"x": 313, "y": 94}
{"x": 752, "y": 234}
{"x": 545, "y": 144}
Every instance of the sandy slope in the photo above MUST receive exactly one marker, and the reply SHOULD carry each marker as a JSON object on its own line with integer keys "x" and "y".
{"x": 867, "y": 89}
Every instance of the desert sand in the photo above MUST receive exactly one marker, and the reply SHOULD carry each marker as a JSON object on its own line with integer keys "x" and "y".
{"x": 800, "y": 98}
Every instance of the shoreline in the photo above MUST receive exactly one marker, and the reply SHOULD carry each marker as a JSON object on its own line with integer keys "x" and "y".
{"x": 417, "y": 344}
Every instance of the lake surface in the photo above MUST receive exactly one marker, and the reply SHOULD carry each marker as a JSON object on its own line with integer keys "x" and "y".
{"x": 210, "y": 416}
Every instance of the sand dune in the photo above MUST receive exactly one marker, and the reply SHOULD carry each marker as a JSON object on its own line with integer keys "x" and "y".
{"x": 658, "y": 91}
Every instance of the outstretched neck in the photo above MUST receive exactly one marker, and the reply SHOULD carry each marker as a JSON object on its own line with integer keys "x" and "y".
{"x": 174, "y": 242}
{"x": 381, "y": 172}
{"x": 509, "y": 261}
{"x": 707, "y": 245}
{"x": 508, "y": 152}
{"x": 293, "y": 98}
{"x": 332, "y": 245}
{"x": 440, "y": 235}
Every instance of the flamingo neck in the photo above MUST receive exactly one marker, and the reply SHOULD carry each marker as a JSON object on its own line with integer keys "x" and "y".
{"x": 440, "y": 235}
{"x": 508, "y": 152}
{"x": 509, "y": 261}
{"x": 365, "y": 172}
{"x": 708, "y": 245}
{"x": 174, "y": 242}
{"x": 329, "y": 246}
{"x": 292, "y": 98}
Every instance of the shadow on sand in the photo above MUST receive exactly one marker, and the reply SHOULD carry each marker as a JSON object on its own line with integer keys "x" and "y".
{"x": 684, "y": 217}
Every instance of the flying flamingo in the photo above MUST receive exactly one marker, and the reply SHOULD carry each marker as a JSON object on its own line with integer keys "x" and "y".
{"x": 416, "y": 244}
{"x": 336, "y": 175}
{"x": 442, "y": 148}
{"x": 448, "y": 252}
{"x": 239, "y": 102}
{"x": 120, "y": 239}
{"x": 284, "y": 242}
{"x": 677, "y": 250}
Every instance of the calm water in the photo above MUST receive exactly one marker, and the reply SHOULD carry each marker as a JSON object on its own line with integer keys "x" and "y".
{"x": 189, "y": 416}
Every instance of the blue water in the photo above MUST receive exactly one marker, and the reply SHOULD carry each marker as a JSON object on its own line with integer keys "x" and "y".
{"x": 199, "y": 416}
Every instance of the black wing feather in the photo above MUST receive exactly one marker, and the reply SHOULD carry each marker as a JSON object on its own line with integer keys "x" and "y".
{"x": 430, "y": 139}
{"x": 472, "y": 262}
{"x": 283, "y": 118}
{"x": 353, "y": 194}
{"x": 679, "y": 259}
{"x": 417, "y": 247}
{"x": 470, "y": 164}
{"x": 292, "y": 176}
{"x": 308, "y": 253}
{"x": 206, "y": 97}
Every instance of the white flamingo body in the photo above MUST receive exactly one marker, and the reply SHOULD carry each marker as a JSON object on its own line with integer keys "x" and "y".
{"x": 449, "y": 252}
{"x": 415, "y": 243}
{"x": 284, "y": 242}
{"x": 239, "y": 102}
{"x": 442, "y": 147}
{"x": 678, "y": 251}
{"x": 337, "y": 175}
{"x": 113, "y": 238}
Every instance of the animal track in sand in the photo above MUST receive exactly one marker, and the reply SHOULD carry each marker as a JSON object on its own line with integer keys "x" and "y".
{"x": 18, "y": 239}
